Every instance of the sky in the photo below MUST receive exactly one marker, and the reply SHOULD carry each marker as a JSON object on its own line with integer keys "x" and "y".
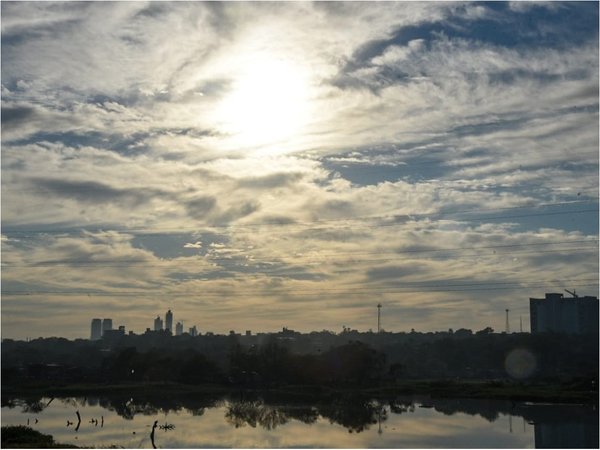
{"x": 253, "y": 166}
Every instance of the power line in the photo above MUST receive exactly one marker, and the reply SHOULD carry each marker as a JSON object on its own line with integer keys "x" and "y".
{"x": 174, "y": 263}
{"x": 309, "y": 256}
{"x": 458, "y": 287}
{"x": 291, "y": 224}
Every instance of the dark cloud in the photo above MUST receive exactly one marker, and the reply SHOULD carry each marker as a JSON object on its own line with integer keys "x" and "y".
{"x": 395, "y": 272}
{"x": 95, "y": 192}
{"x": 216, "y": 87}
{"x": 334, "y": 209}
{"x": 278, "y": 220}
{"x": 153, "y": 10}
{"x": 331, "y": 234}
{"x": 16, "y": 116}
{"x": 512, "y": 75}
{"x": 236, "y": 212}
{"x": 17, "y": 36}
{"x": 270, "y": 181}
{"x": 130, "y": 144}
{"x": 200, "y": 207}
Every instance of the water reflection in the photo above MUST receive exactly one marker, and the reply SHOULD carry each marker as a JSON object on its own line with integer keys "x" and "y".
{"x": 269, "y": 420}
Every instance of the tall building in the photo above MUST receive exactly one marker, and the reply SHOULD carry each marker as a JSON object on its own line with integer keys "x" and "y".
{"x": 96, "y": 329}
{"x": 106, "y": 325}
{"x": 169, "y": 321}
{"x": 558, "y": 314}
{"x": 158, "y": 324}
{"x": 193, "y": 331}
{"x": 178, "y": 329}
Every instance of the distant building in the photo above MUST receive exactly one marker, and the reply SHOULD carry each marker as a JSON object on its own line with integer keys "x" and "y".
{"x": 178, "y": 329}
{"x": 169, "y": 321}
{"x": 555, "y": 313}
{"x": 106, "y": 325}
{"x": 158, "y": 324}
{"x": 193, "y": 331}
{"x": 122, "y": 329}
{"x": 248, "y": 333}
{"x": 96, "y": 329}
{"x": 112, "y": 335}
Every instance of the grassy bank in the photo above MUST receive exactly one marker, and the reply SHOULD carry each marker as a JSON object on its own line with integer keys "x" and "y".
{"x": 501, "y": 390}
{"x": 24, "y": 437}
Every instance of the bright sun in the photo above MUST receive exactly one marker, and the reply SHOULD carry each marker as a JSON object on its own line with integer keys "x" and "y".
{"x": 268, "y": 103}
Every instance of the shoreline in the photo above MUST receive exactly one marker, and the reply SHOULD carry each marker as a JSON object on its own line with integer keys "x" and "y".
{"x": 496, "y": 390}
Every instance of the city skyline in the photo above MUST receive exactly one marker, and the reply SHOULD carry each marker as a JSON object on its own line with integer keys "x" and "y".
{"x": 263, "y": 165}
{"x": 575, "y": 314}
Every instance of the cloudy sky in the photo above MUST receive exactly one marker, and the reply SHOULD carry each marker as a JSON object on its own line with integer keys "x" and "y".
{"x": 260, "y": 165}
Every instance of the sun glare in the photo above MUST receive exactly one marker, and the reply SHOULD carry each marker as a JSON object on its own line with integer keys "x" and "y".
{"x": 268, "y": 103}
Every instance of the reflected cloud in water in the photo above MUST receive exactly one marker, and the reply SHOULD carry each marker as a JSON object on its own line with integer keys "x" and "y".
{"x": 334, "y": 421}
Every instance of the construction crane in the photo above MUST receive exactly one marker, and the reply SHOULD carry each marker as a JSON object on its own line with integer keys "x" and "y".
{"x": 574, "y": 293}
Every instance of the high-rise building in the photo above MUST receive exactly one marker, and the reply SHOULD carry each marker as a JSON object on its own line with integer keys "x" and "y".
{"x": 96, "y": 329}
{"x": 106, "y": 325}
{"x": 178, "y": 329}
{"x": 554, "y": 313}
{"x": 193, "y": 331}
{"x": 169, "y": 321}
{"x": 158, "y": 324}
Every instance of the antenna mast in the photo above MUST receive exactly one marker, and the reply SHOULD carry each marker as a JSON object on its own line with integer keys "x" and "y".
{"x": 507, "y": 324}
{"x": 574, "y": 293}
{"x": 521, "y": 323}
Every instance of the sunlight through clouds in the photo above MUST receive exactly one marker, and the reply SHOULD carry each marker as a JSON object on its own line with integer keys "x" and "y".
{"x": 269, "y": 102}
{"x": 299, "y": 160}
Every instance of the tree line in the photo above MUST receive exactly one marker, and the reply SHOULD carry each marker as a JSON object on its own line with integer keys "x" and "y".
{"x": 276, "y": 360}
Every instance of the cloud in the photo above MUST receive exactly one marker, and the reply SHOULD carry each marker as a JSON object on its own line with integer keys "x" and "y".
{"x": 433, "y": 128}
{"x": 271, "y": 181}
{"x": 199, "y": 207}
{"x": 396, "y": 272}
{"x": 15, "y": 116}
{"x": 94, "y": 192}
{"x": 196, "y": 244}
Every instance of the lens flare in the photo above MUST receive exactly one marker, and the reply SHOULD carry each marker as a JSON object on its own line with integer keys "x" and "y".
{"x": 520, "y": 363}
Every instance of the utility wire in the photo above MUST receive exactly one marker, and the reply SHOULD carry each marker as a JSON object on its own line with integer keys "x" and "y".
{"x": 397, "y": 218}
{"x": 310, "y": 255}
{"x": 249, "y": 262}
{"x": 225, "y": 291}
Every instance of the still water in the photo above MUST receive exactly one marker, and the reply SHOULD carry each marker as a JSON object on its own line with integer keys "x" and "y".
{"x": 241, "y": 421}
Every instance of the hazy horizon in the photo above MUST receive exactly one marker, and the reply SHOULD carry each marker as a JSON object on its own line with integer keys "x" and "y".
{"x": 253, "y": 166}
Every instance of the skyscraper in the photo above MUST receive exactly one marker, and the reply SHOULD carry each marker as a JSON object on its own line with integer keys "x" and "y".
{"x": 558, "y": 314}
{"x": 106, "y": 325}
{"x": 96, "y": 329}
{"x": 158, "y": 324}
{"x": 178, "y": 329}
{"x": 169, "y": 321}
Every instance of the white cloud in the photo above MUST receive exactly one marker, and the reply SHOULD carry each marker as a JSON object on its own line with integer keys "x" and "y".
{"x": 104, "y": 129}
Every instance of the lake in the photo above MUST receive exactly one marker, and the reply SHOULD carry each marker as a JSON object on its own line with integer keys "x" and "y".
{"x": 343, "y": 421}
